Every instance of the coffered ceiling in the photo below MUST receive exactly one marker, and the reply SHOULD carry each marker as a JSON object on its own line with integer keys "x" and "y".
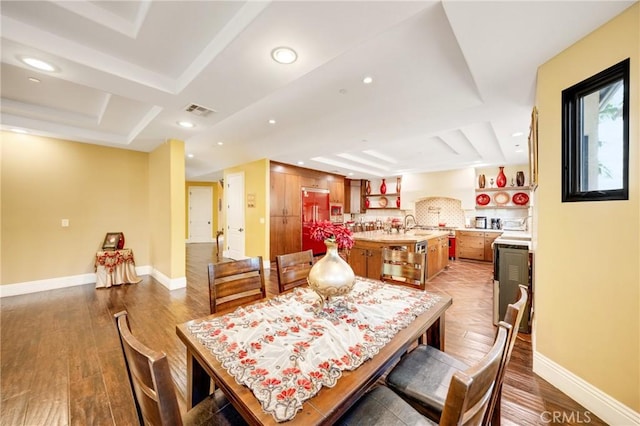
{"x": 453, "y": 81}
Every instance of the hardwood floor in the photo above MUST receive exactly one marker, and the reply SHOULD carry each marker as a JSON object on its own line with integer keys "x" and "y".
{"x": 61, "y": 363}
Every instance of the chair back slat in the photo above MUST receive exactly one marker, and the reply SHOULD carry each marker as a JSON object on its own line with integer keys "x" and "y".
{"x": 293, "y": 269}
{"x": 469, "y": 393}
{"x": 149, "y": 378}
{"x": 404, "y": 267}
{"x": 235, "y": 283}
{"x": 513, "y": 317}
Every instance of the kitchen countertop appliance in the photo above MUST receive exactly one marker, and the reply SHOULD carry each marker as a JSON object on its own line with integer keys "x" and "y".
{"x": 481, "y": 222}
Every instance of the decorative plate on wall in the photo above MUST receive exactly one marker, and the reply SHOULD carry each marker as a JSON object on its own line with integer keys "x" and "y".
{"x": 501, "y": 198}
{"x": 383, "y": 201}
{"x": 483, "y": 199}
{"x": 520, "y": 198}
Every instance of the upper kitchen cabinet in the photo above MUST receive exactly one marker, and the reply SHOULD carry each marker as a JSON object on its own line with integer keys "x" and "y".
{"x": 314, "y": 182}
{"x": 336, "y": 190}
{"x": 285, "y": 194}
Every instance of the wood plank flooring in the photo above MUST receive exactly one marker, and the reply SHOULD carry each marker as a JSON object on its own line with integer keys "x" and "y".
{"x": 61, "y": 363}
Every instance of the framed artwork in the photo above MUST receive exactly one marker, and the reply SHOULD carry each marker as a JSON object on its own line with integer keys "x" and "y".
{"x": 111, "y": 241}
{"x": 533, "y": 150}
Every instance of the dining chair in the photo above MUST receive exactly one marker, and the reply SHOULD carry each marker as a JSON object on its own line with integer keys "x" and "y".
{"x": 293, "y": 269}
{"x": 153, "y": 392}
{"x": 422, "y": 377}
{"x": 235, "y": 283}
{"x": 404, "y": 267}
{"x": 466, "y": 403}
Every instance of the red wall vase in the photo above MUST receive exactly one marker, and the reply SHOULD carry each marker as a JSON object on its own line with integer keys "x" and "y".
{"x": 501, "y": 179}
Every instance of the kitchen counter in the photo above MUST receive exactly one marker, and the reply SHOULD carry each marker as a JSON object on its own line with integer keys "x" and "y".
{"x": 399, "y": 238}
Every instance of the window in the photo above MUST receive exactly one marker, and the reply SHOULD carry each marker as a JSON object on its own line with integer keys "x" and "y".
{"x": 595, "y": 137}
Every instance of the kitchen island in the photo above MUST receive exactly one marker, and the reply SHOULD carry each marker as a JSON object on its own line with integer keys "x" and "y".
{"x": 365, "y": 257}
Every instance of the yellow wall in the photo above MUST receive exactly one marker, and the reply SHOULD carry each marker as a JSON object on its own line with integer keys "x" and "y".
{"x": 587, "y": 253}
{"x": 166, "y": 203}
{"x": 256, "y": 181}
{"x": 45, "y": 180}
{"x": 216, "y": 194}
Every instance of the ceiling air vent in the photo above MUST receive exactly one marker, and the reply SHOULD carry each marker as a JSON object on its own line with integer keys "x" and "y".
{"x": 199, "y": 110}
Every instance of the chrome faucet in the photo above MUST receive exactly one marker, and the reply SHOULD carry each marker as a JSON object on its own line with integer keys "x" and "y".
{"x": 406, "y": 222}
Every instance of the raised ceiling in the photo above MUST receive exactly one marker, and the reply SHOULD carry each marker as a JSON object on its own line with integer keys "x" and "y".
{"x": 453, "y": 81}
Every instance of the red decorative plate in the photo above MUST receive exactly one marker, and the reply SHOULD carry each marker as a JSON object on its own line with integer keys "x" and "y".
{"x": 501, "y": 198}
{"x": 483, "y": 199}
{"x": 520, "y": 198}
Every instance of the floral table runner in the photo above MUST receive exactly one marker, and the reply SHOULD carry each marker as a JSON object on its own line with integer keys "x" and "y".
{"x": 286, "y": 348}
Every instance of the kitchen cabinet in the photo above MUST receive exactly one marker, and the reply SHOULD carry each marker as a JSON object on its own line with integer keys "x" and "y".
{"x": 314, "y": 182}
{"x": 489, "y": 237}
{"x": 365, "y": 259}
{"x": 336, "y": 191}
{"x": 285, "y": 224}
{"x": 437, "y": 255}
{"x": 475, "y": 244}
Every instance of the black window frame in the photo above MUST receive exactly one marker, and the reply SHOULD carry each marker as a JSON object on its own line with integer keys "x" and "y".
{"x": 571, "y": 129}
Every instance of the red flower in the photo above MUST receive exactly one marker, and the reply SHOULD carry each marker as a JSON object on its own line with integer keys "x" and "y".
{"x": 256, "y": 346}
{"x": 281, "y": 333}
{"x": 324, "y": 365}
{"x": 271, "y": 382}
{"x": 248, "y": 361}
{"x": 316, "y": 375}
{"x": 242, "y": 354}
{"x": 260, "y": 372}
{"x": 269, "y": 338}
{"x": 337, "y": 233}
{"x": 295, "y": 329}
{"x": 291, "y": 371}
{"x": 286, "y": 394}
{"x": 356, "y": 350}
{"x": 304, "y": 383}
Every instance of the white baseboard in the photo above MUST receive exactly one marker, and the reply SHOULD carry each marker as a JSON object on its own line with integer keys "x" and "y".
{"x": 593, "y": 399}
{"x": 28, "y": 287}
{"x": 170, "y": 283}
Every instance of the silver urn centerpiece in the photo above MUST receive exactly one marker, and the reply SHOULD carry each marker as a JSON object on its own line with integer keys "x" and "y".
{"x": 331, "y": 275}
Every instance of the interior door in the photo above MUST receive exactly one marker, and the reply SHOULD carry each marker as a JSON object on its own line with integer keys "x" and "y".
{"x": 235, "y": 238}
{"x": 200, "y": 202}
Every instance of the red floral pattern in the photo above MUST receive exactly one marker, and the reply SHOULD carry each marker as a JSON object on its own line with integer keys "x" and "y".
{"x": 285, "y": 349}
{"x": 112, "y": 258}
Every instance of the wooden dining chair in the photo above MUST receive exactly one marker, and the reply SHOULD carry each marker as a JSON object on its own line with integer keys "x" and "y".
{"x": 422, "y": 377}
{"x": 153, "y": 392}
{"x": 293, "y": 269}
{"x": 235, "y": 283}
{"x": 404, "y": 267}
{"x": 467, "y": 400}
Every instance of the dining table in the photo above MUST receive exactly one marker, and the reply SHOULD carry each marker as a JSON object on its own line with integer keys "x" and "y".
{"x": 292, "y": 359}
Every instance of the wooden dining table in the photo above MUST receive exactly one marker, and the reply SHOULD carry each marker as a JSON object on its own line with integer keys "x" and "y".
{"x": 330, "y": 403}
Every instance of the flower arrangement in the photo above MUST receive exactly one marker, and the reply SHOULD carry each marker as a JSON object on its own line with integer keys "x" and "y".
{"x": 338, "y": 233}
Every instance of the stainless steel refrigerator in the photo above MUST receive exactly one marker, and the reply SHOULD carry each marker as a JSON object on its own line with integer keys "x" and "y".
{"x": 315, "y": 208}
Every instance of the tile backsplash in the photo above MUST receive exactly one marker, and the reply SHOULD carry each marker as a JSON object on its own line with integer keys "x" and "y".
{"x": 435, "y": 210}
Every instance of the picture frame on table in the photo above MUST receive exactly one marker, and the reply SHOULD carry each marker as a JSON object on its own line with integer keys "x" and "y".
{"x": 533, "y": 150}
{"x": 111, "y": 241}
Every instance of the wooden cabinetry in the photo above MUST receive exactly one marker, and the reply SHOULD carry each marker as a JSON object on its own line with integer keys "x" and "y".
{"x": 314, "y": 182}
{"x": 336, "y": 191}
{"x": 285, "y": 224}
{"x": 475, "y": 245}
{"x": 489, "y": 237}
{"x": 377, "y": 200}
{"x": 437, "y": 255}
{"x": 365, "y": 259}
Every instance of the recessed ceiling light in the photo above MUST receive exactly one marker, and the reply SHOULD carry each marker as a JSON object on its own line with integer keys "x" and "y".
{"x": 300, "y": 163}
{"x": 190, "y": 155}
{"x": 22, "y": 131}
{"x": 350, "y": 173}
{"x": 38, "y": 64}
{"x": 34, "y": 80}
{"x": 284, "y": 55}
{"x": 516, "y": 134}
{"x": 272, "y": 121}
{"x": 186, "y": 124}
{"x": 220, "y": 143}
{"x": 367, "y": 80}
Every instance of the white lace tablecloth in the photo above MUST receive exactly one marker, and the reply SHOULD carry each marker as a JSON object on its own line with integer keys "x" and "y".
{"x": 285, "y": 349}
